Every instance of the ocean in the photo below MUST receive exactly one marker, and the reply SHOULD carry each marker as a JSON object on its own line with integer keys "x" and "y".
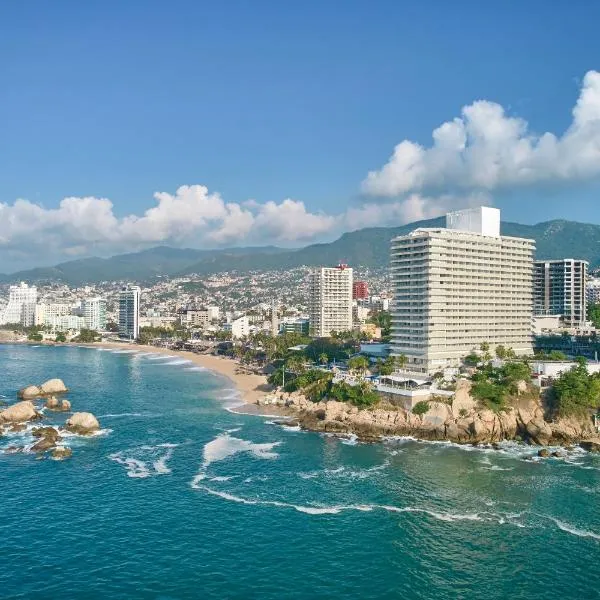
{"x": 177, "y": 497}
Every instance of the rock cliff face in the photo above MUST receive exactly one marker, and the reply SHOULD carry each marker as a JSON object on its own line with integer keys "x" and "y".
{"x": 462, "y": 421}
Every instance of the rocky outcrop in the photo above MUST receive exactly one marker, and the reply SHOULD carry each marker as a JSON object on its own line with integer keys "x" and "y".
{"x": 30, "y": 391}
{"x": 61, "y": 453}
{"x": 462, "y": 421}
{"x": 53, "y": 386}
{"x": 591, "y": 446}
{"x": 83, "y": 423}
{"x": 48, "y": 438}
{"x": 19, "y": 413}
{"x": 53, "y": 403}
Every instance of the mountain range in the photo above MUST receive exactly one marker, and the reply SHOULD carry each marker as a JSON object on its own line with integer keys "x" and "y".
{"x": 365, "y": 247}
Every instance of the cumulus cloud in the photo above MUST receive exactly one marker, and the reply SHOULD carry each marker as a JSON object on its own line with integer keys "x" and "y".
{"x": 32, "y": 235}
{"x": 485, "y": 149}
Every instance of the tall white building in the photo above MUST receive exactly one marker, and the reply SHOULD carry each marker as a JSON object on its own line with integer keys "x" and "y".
{"x": 455, "y": 288}
{"x": 94, "y": 313}
{"x": 129, "y": 312}
{"x": 21, "y": 305}
{"x": 559, "y": 288}
{"x": 330, "y": 300}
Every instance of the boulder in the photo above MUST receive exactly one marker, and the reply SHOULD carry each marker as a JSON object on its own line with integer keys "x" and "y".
{"x": 543, "y": 453}
{"x": 52, "y": 403}
{"x": 539, "y": 431}
{"x": 16, "y": 427}
{"x": 65, "y": 405}
{"x": 591, "y": 446}
{"x": 48, "y": 438}
{"x": 54, "y": 386}
{"x": 19, "y": 412}
{"x": 463, "y": 402}
{"x": 82, "y": 423}
{"x": 61, "y": 453}
{"x": 31, "y": 391}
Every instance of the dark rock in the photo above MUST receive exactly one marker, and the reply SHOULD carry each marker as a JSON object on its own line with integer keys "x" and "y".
{"x": 320, "y": 414}
{"x": 62, "y": 453}
{"x": 543, "y": 453}
{"x": 591, "y": 446}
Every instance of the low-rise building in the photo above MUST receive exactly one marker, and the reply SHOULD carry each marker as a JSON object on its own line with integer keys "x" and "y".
{"x": 239, "y": 327}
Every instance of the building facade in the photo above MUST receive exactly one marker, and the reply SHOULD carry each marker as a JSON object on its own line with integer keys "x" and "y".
{"x": 297, "y": 325}
{"x": 559, "y": 288}
{"x": 457, "y": 288}
{"x": 44, "y": 313}
{"x": 330, "y": 300}
{"x": 94, "y": 313}
{"x": 360, "y": 290}
{"x": 129, "y": 312}
{"x": 592, "y": 290}
{"x": 239, "y": 327}
{"x": 21, "y": 305}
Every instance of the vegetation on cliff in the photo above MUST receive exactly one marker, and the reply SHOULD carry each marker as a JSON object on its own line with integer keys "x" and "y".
{"x": 493, "y": 385}
{"x": 575, "y": 392}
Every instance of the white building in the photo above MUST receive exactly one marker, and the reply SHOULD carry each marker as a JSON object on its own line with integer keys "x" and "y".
{"x": 330, "y": 300}
{"x": 94, "y": 313}
{"x": 66, "y": 323}
{"x": 457, "y": 288}
{"x": 129, "y": 312}
{"x": 559, "y": 288}
{"x": 21, "y": 305}
{"x": 239, "y": 327}
{"x": 44, "y": 313}
{"x": 592, "y": 290}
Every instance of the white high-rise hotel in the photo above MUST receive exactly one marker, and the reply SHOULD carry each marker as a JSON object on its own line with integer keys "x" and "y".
{"x": 21, "y": 305}
{"x": 458, "y": 287}
{"x": 94, "y": 313}
{"x": 330, "y": 300}
{"x": 129, "y": 312}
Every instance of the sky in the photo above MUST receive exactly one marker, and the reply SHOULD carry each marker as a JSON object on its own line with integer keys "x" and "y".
{"x": 126, "y": 125}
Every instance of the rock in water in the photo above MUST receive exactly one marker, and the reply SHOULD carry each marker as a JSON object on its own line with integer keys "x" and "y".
{"x": 61, "y": 453}
{"x": 31, "y": 391}
{"x": 543, "y": 453}
{"x": 65, "y": 405}
{"x": 48, "y": 437}
{"x": 52, "y": 403}
{"x": 82, "y": 423}
{"x": 18, "y": 413}
{"x": 591, "y": 446}
{"x": 54, "y": 386}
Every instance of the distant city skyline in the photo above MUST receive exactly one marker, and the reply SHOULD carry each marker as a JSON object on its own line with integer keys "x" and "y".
{"x": 130, "y": 126}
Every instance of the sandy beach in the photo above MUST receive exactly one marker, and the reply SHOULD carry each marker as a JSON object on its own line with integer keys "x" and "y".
{"x": 251, "y": 386}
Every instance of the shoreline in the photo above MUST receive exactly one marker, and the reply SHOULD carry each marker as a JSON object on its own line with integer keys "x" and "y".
{"x": 250, "y": 386}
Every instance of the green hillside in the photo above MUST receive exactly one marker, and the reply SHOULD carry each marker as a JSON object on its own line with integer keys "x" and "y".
{"x": 365, "y": 247}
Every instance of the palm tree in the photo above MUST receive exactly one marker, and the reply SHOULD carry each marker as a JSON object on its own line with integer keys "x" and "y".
{"x": 323, "y": 358}
{"x": 401, "y": 361}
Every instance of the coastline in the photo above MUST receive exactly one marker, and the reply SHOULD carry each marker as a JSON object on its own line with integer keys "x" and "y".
{"x": 251, "y": 387}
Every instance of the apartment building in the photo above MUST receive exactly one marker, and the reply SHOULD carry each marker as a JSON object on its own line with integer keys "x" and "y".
{"x": 459, "y": 286}
{"x": 94, "y": 313}
{"x": 330, "y": 300}
{"x": 45, "y": 313}
{"x": 559, "y": 288}
{"x": 129, "y": 312}
{"x": 239, "y": 327}
{"x": 21, "y": 305}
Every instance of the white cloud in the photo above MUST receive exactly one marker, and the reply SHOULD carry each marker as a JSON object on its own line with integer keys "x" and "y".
{"x": 484, "y": 149}
{"x": 33, "y": 235}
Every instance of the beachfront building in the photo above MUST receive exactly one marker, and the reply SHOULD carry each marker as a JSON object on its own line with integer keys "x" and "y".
{"x": 65, "y": 323}
{"x": 239, "y": 327}
{"x": 129, "y": 312}
{"x": 198, "y": 316}
{"x": 45, "y": 312}
{"x": 330, "y": 300}
{"x": 460, "y": 286}
{"x": 294, "y": 325}
{"x": 21, "y": 305}
{"x": 94, "y": 313}
{"x": 559, "y": 288}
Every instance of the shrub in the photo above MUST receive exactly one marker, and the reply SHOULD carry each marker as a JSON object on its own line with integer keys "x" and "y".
{"x": 420, "y": 408}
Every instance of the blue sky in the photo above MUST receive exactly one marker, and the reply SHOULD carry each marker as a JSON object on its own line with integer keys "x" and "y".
{"x": 268, "y": 101}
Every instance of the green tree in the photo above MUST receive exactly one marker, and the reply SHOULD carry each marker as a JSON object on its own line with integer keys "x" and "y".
{"x": 359, "y": 364}
{"x": 500, "y": 351}
{"x": 323, "y": 358}
{"x": 593, "y": 313}
{"x": 484, "y": 347}
{"x": 88, "y": 336}
{"x": 60, "y": 337}
{"x": 401, "y": 361}
{"x": 35, "y": 336}
{"x": 576, "y": 392}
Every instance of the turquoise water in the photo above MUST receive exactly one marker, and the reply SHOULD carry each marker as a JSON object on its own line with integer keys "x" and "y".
{"x": 179, "y": 498}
